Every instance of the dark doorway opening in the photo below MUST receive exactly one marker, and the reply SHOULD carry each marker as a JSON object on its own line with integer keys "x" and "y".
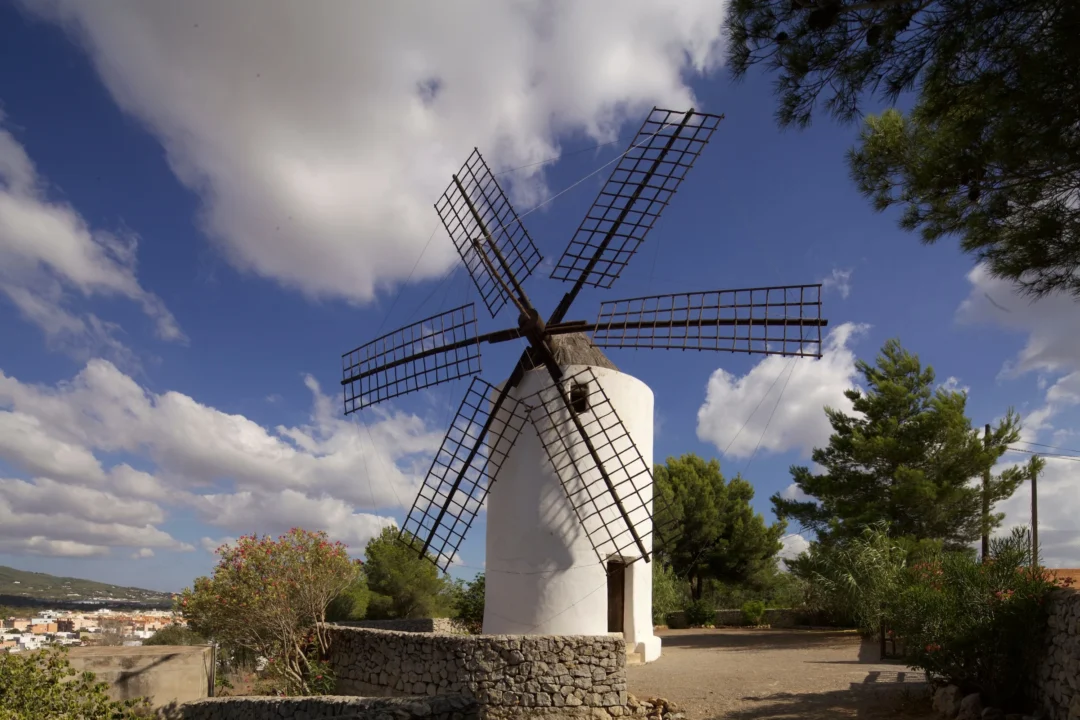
{"x": 616, "y": 595}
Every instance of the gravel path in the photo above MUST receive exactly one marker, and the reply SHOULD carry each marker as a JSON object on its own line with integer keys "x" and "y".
{"x": 759, "y": 674}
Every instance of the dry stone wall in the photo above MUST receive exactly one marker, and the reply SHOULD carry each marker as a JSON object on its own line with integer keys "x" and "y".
{"x": 777, "y": 618}
{"x": 331, "y": 706}
{"x": 1058, "y": 676}
{"x": 508, "y": 675}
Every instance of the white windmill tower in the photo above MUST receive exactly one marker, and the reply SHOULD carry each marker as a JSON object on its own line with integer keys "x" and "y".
{"x": 562, "y": 450}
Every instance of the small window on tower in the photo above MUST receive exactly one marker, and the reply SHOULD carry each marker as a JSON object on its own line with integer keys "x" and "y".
{"x": 579, "y": 397}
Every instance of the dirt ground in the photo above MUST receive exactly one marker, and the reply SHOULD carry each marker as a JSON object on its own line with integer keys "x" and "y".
{"x": 760, "y": 674}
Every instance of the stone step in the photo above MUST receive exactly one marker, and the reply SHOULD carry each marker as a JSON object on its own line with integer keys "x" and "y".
{"x": 634, "y": 658}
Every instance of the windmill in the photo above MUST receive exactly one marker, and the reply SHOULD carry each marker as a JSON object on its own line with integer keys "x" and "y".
{"x": 567, "y": 436}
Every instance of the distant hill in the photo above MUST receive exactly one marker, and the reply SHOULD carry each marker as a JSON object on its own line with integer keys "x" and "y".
{"x": 18, "y": 587}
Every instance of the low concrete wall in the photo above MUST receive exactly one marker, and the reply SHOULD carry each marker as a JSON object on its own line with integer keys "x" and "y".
{"x": 507, "y": 674}
{"x": 445, "y": 626}
{"x": 1057, "y": 679}
{"x": 162, "y": 673}
{"x": 331, "y": 706}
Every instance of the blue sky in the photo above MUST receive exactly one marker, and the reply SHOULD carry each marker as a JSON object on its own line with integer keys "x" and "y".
{"x": 202, "y": 208}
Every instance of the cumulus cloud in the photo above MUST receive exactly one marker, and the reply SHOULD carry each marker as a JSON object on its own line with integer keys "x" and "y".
{"x": 838, "y": 280}
{"x": 1052, "y": 324}
{"x": 142, "y": 554}
{"x": 738, "y": 411}
{"x": 793, "y": 546}
{"x": 318, "y": 136}
{"x": 235, "y": 474}
{"x": 49, "y": 254}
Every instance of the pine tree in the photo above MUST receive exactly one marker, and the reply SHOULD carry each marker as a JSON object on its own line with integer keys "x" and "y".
{"x": 991, "y": 150}
{"x": 908, "y": 457}
{"x": 717, "y": 534}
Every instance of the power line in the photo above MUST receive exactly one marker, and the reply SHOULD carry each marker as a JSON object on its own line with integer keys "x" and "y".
{"x": 769, "y": 421}
{"x": 1042, "y": 454}
{"x": 1052, "y": 447}
{"x": 560, "y": 156}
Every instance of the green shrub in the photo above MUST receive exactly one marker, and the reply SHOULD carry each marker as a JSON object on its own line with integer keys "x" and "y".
{"x": 36, "y": 685}
{"x": 175, "y": 635}
{"x": 977, "y": 625}
{"x": 753, "y": 612}
{"x": 700, "y": 612}
{"x": 469, "y": 603}
{"x": 668, "y": 592}
{"x": 352, "y": 603}
{"x": 852, "y": 582}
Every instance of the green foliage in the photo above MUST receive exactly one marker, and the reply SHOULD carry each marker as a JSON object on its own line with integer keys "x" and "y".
{"x": 753, "y": 612}
{"x": 268, "y": 597}
{"x": 669, "y": 593}
{"x": 776, "y": 588}
{"x": 700, "y": 612}
{"x": 905, "y": 458}
{"x": 718, "y": 534}
{"x": 990, "y": 150}
{"x": 35, "y": 685}
{"x": 469, "y": 603}
{"x": 352, "y": 603}
{"x": 978, "y": 625}
{"x": 175, "y": 635}
{"x": 402, "y": 584}
{"x": 856, "y": 579}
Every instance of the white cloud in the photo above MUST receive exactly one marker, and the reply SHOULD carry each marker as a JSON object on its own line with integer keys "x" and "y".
{"x": 838, "y": 280}
{"x": 48, "y": 252}
{"x": 793, "y": 546}
{"x": 952, "y": 384}
{"x": 237, "y": 475}
{"x": 142, "y": 553}
{"x": 275, "y": 513}
{"x": 41, "y": 545}
{"x": 794, "y": 492}
{"x": 318, "y": 136}
{"x": 1052, "y": 324}
{"x": 737, "y": 411}
{"x": 1059, "y": 507}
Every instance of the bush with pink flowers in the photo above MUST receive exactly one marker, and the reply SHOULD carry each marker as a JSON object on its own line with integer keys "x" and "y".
{"x": 268, "y": 597}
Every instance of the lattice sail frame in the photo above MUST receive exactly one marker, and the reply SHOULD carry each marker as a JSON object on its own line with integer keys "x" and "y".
{"x": 475, "y": 188}
{"x": 434, "y": 350}
{"x": 781, "y": 320}
{"x": 592, "y": 500}
{"x": 638, "y": 189}
{"x": 442, "y": 513}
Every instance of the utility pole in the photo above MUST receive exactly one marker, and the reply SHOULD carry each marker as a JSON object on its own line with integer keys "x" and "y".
{"x": 1034, "y": 515}
{"x": 986, "y": 498}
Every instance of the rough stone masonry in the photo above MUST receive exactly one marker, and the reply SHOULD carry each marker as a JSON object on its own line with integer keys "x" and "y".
{"x": 508, "y": 675}
{"x": 1058, "y": 676}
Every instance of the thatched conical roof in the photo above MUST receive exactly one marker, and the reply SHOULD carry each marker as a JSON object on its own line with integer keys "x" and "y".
{"x": 578, "y": 349}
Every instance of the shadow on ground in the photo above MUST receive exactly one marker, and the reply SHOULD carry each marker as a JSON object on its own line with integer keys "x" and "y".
{"x": 866, "y": 701}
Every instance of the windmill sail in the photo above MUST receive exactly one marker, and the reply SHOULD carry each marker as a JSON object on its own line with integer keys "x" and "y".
{"x": 630, "y": 202}
{"x": 485, "y": 426}
{"x": 489, "y": 236}
{"x": 608, "y": 483}
{"x": 783, "y": 320}
{"x": 437, "y": 349}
